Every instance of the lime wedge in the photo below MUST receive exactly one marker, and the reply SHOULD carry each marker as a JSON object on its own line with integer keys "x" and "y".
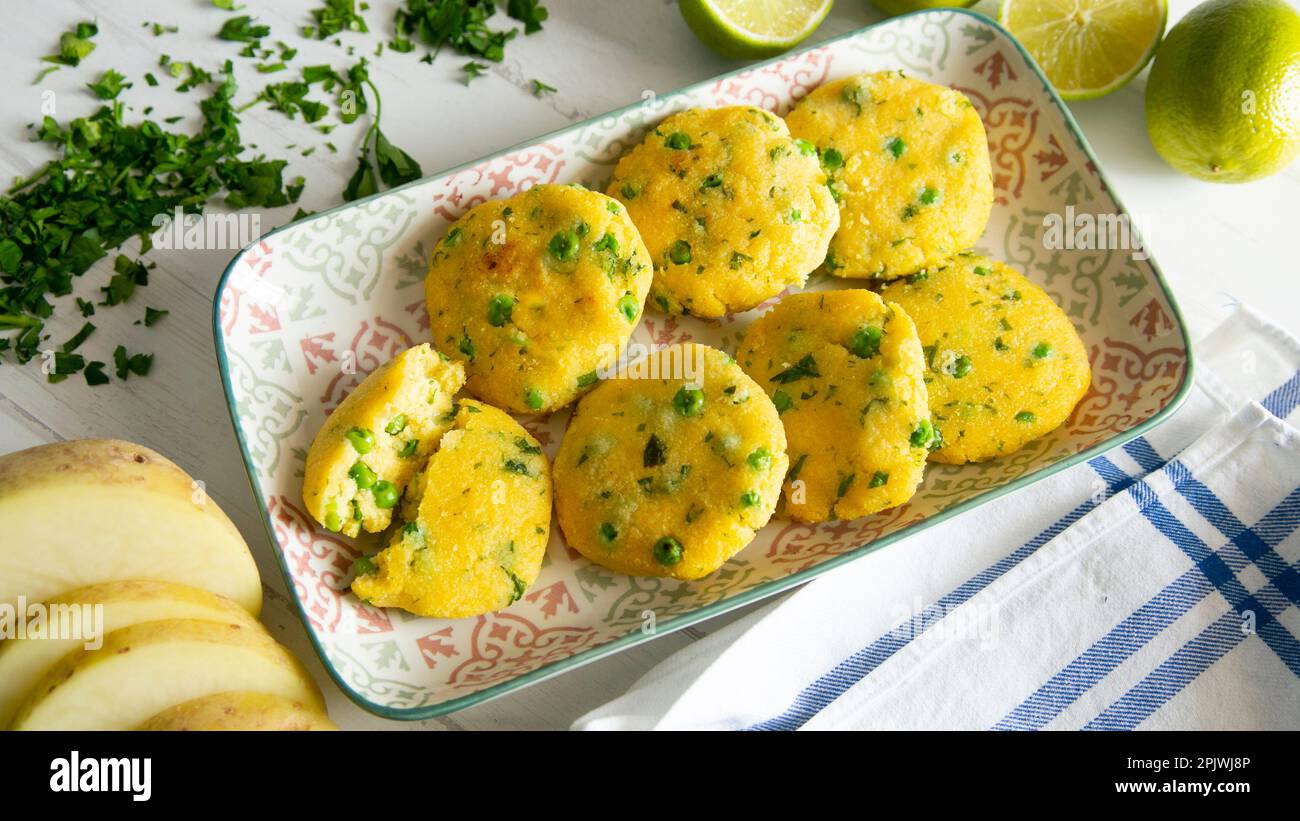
{"x": 749, "y": 29}
{"x": 1087, "y": 48}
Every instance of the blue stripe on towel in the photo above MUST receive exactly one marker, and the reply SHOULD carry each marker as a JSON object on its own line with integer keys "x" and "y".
{"x": 1284, "y": 399}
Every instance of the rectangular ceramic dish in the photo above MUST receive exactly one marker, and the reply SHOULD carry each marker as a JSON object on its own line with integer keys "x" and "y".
{"x": 304, "y": 314}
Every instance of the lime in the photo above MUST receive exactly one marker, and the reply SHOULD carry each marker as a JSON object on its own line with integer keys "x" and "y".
{"x": 896, "y": 7}
{"x": 1223, "y": 98}
{"x": 753, "y": 28}
{"x": 1087, "y": 48}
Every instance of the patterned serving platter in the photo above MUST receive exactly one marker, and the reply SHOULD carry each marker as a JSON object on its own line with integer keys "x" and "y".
{"x": 304, "y": 314}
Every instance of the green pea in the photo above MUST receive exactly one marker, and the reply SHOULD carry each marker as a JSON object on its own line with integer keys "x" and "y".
{"x": 921, "y": 436}
{"x": 1026, "y": 417}
{"x": 896, "y": 146}
{"x": 961, "y": 366}
{"x": 680, "y": 252}
{"x": 795, "y": 215}
{"x": 385, "y": 493}
{"x": 878, "y": 479}
{"x": 929, "y": 196}
{"x": 866, "y": 341}
{"x": 364, "y": 566}
{"x": 500, "y": 309}
{"x": 408, "y": 448}
{"x": 805, "y": 148}
{"x": 1042, "y": 350}
{"x": 396, "y": 425}
{"x": 564, "y": 246}
{"x": 760, "y": 459}
{"x": 607, "y": 242}
{"x": 689, "y": 401}
{"x": 607, "y": 532}
{"x": 981, "y": 271}
{"x": 629, "y": 307}
{"x": 668, "y": 551}
{"x": 750, "y": 498}
{"x": 363, "y": 441}
{"x": 832, "y": 159}
{"x": 362, "y": 475}
{"x": 678, "y": 141}
{"x": 533, "y": 398}
{"x": 333, "y": 522}
{"x": 936, "y": 440}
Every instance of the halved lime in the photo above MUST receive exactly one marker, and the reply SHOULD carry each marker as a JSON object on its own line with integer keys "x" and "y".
{"x": 750, "y": 29}
{"x": 1087, "y": 48}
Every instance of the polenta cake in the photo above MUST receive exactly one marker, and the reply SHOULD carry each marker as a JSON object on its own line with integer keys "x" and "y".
{"x": 908, "y": 163}
{"x": 378, "y": 438}
{"x": 1004, "y": 364}
{"x": 479, "y": 533}
{"x": 846, "y": 373}
{"x": 537, "y": 293}
{"x": 732, "y": 210}
{"x": 669, "y": 469}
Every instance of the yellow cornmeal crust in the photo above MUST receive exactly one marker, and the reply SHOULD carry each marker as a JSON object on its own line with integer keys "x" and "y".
{"x": 846, "y": 373}
{"x": 537, "y": 292}
{"x": 912, "y": 172}
{"x": 639, "y": 464}
{"x": 1004, "y": 363}
{"x": 743, "y": 202}
{"x": 418, "y": 385}
{"x": 480, "y": 533}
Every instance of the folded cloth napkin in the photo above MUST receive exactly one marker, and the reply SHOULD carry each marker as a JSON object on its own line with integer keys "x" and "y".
{"x": 1155, "y": 586}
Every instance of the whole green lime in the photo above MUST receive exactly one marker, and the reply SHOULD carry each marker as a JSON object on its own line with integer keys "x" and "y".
{"x": 1223, "y": 98}
{"x": 897, "y": 7}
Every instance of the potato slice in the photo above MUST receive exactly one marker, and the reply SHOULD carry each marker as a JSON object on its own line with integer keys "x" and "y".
{"x": 365, "y": 454}
{"x": 147, "y": 668}
{"x": 97, "y": 510}
{"x": 240, "y": 711}
{"x": 25, "y": 661}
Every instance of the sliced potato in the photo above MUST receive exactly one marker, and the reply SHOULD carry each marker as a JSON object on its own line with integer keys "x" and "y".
{"x": 240, "y": 711}
{"x": 97, "y": 510}
{"x": 147, "y": 668}
{"x": 25, "y": 661}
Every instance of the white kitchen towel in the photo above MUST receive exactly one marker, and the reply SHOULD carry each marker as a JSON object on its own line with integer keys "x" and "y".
{"x": 1154, "y": 586}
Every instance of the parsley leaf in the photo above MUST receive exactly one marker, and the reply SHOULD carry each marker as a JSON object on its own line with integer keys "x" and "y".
{"x": 109, "y": 86}
{"x": 241, "y": 30}
{"x": 336, "y": 16}
{"x": 473, "y": 70}
{"x": 529, "y": 12}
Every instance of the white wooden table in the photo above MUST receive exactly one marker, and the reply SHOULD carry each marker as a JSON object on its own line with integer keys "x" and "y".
{"x": 1216, "y": 243}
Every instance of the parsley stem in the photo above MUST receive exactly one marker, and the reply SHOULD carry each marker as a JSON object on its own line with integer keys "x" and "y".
{"x": 18, "y": 321}
{"x": 21, "y": 184}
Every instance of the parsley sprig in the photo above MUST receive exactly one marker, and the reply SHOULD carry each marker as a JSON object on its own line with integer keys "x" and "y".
{"x": 395, "y": 165}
